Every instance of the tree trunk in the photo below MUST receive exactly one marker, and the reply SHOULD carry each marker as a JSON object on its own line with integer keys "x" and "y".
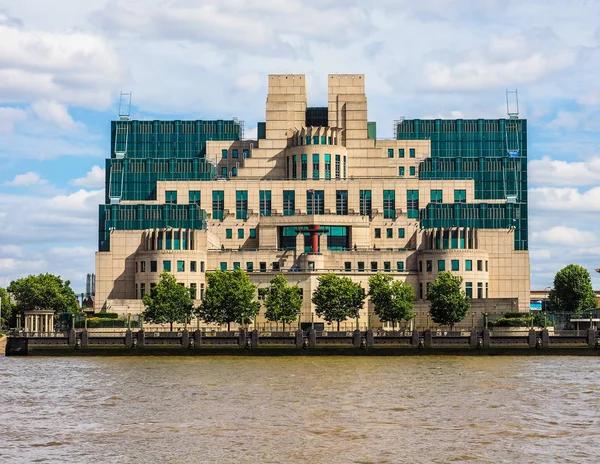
{"x": 171, "y": 326}
{"x": 338, "y": 326}
{"x": 228, "y": 326}
{"x": 283, "y": 322}
{"x": 393, "y": 325}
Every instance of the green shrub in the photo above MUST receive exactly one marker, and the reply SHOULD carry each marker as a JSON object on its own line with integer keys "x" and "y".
{"x": 107, "y": 315}
{"x": 513, "y": 315}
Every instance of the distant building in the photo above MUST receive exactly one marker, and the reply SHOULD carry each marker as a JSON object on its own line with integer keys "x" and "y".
{"x": 317, "y": 192}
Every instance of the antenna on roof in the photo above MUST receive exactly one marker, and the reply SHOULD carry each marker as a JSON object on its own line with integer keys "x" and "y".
{"x": 125, "y": 106}
{"x": 512, "y": 104}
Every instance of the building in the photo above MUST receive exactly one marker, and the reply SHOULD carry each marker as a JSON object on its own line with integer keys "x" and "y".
{"x": 316, "y": 193}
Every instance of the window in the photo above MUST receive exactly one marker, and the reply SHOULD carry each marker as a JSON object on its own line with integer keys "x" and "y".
{"x": 400, "y": 266}
{"x": 193, "y": 291}
{"x": 294, "y": 166}
{"x": 315, "y": 166}
{"x": 468, "y": 264}
{"x": 427, "y": 288}
{"x": 454, "y": 239}
{"x": 327, "y": 166}
{"x": 315, "y": 201}
{"x": 429, "y": 265}
{"x": 249, "y": 266}
{"x": 411, "y": 152}
{"x": 192, "y": 266}
{"x": 441, "y": 265}
{"x": 347, "y": 266}
{"x": 389, "y": 204}
{"x": 387, "y": 266}
{"x": 180, "y": 266}
{"x": 171, "y": 197}
{"x": 194, "y": 197}
{"x": 373, "y": 266}
{"x": 412, "y": 204}
{"x": 361, "y": 266}
{"x": 401, "y": 232}
{"x": 169, "y": 236}
{"x": 486, "y": 266}
{"x": 400, "y": 152}
{"x": 469, "y": 289}
{"x": 289, "y": 202}
{"x": 460, "y": 196}
{"x": 218, "y": 204}
{"x": 236, "y": 265}
{"x": 235, "y": 153}
{"x": 241, "y": 204}
{"x": 421, "y": 290}
{"x": 142, "y": 266}
{"x": 323, "y": 140}
{"x": 420, "y": 266}
{"x": 246, "y": 153}
{"x": 486, "y": 290}
{"x": 142, "y": 290}
{"x": 252, "y": 233}
{"x": 390, "y": 152}
{"x": 479, "y": 289}
{"x": 153, "y": 266}
{"x": 412, "y": 171}
{"x": 201, "y": 266}
{"x": 224, "y": 154}
{"x": 337, "y": 166}
{"x": 201, "y": 291}
{"x": 479, "y": 265}
{"x": 228, "y": 233}
{"x": 315, "y": 140}
{"x": 223, "y": 266}
{"x": 341, "y": 202}
{"x": 389, "y": 233}
{"x": 263, "y": 267}
{"x": 308, "y": 140}
{"x": 455, "y": 265}
{"x": 275, "y": 265}
{"x": 435, "y": 196}
{"x": 265, "y": 202}
{"x": 377, "y": 232}
{"x": 401, "y": 171}
{"x": 304, "y": 159}
{"x": 365, "y": 203}
{"x": 167, "y": 266}
{"x": 240, "y": 233}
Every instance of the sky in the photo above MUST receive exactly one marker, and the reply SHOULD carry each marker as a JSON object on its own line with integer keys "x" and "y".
{"x": 64, "y": 63}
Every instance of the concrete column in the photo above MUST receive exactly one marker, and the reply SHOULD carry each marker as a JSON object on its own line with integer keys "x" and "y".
{"x": 545, "y": 338}
{"x": 414, "y": 339}
{"x": 128, "y": 339}
{"x": 299, "y": 338}
{"x": 84, "y": 339}
{"x": 473, "y": 339}
{"x": 428, "y": 338}
{"x": 486, "y": 338}
{"x": 242, "y": 338}
{"x": 141, "y": 338}
{"x": 591, "y": 337}
{"x": 51, "y": 328}
{"x": 72, "y": 337}
{"x": 254, "y": 336}
{"x": 531, "y": 339}
{"x": 185, "y": 339}
{"x": 197, "y": 338}
{"x": 370, "y": 338}
{"x": 356, "y": 336}
{"x": 312, "y": 338}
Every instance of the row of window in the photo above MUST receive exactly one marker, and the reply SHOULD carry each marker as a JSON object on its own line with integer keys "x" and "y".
{"x": 341, "y": 171}
{"x": 387, "y": 266}
{"x": 235, "y": 153}
{"x": 412, "y": 170}
{"x": 314, "y": 140}
{"x": 315, "y": 202}
{"x": 454, "y": 265}
{"x": 389, "y": 232}
{"x": 193, "y": 290}
{"x": 411, "y": 152}
{"x": 140, "y": 266}
{"x": 468, "y": 289}
{"x": 240, "y": 233}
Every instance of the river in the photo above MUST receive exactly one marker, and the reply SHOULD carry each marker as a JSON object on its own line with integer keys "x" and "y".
{"x": 300, "y": 409}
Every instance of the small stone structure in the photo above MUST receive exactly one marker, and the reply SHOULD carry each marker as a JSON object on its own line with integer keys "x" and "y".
{"x": 39, "y": 320}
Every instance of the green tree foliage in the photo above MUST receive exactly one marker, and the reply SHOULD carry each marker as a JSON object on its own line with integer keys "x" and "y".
{"x": 44, "y": 291}
{"x": 392, "y": 299}
{"x": 572, "y": 290}
{"x": 168, "y": 302}
{"x": 448, "y": 303}
{"x": 6, "y": 318}
{"x": 229, "y": 298}
{"x": 283, "y": 301}
{"x": 338, "y": 298}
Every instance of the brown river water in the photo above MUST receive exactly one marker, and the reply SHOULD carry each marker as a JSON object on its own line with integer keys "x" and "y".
{"x": 300, "y": 409}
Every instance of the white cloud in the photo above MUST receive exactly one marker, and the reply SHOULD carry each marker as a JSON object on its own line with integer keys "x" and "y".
{"x": 562, "y": 235}
{"x": 589, "y": 99}
{"x": 93, "y": 179}
{"x": 54, "y": 113}
{"x": 551, "y": 172}
{"x": 9, "y": 117}
{"x": 564, "y": 199}
{"x": 539, "y": 255}
{"x": 27, "y": 179}
{"x": 564, "y": 120}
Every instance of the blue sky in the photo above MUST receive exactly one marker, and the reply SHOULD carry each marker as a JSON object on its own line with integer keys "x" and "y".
{"x": 62, "y": 68}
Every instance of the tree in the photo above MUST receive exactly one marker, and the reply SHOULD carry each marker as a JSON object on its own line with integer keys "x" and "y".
{"x": 6, "y": 308}
{"x": 229, "y": 298}
{"x": 392, "y": 299}
{"x": 44, "y": 291}
{"x": 168, "y": 302}
{"x": 572, "y": 290}
{"x": 338, "y": 298}
{"x": 448, "y": 303}
{"x": 283, "y": 301}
